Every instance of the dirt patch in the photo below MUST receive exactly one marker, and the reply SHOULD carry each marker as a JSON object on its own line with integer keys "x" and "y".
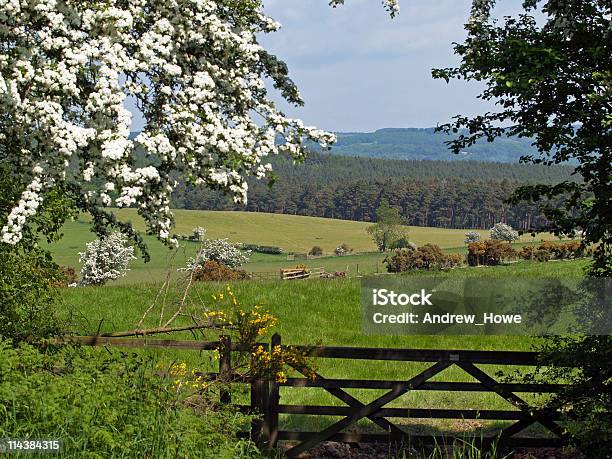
{"x": 336, "y": 450}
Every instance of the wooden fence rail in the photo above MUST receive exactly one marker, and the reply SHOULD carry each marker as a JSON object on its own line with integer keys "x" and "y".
{"x": 265, "y": 398}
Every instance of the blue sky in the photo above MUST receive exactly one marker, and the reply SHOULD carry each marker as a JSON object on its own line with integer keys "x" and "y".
{"x": 359, "y": 70}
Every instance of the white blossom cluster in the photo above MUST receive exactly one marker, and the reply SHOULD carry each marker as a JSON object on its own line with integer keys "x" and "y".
{"x": 194, "y": 69}
{"x": 106, "y": 259}
{"x": 198, "y": 233}
{"x": 471, "y": 237}
{"x": 219, "y": 250}
{"x": 503, "y": 232}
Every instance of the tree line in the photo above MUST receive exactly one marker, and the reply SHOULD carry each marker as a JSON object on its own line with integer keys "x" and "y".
{"x": 427, "y": 193}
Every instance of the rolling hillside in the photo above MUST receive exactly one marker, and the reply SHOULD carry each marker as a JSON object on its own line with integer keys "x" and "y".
{"x": 292, "y": 233}
{"x": 416, "y": 143}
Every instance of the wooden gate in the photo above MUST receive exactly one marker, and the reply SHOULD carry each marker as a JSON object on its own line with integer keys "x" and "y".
{"x": 265, "y": 394}
{"x": 524, "y": 415}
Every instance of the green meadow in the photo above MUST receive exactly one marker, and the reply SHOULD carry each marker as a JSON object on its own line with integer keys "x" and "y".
{"x": 309, "y": 312}
{"x": 312, "y": 311}
{"x": 290, "y": 232}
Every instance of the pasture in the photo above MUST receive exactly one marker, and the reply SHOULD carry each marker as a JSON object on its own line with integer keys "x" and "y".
{"x": 291, "y": 233}
{"x": 324, "y": 311}
{"x": 309, "y": 312}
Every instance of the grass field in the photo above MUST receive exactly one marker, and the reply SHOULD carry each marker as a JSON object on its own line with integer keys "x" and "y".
{"x": 325, "y": 311}
{"x": 292, "y": 233}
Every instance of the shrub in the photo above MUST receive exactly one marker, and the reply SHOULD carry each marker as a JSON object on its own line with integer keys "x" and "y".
{"x": 471, "y": 237}
{"x": 402, "y": 243}
{"x": 111, "y": 403}
{"x": 67, "y": 277}
{"x": 503, "y": 232}
{"x": 213, "y": 271}
{"x": 269, "y": 249}
{"x": 549, "y": 250}
{"x": 219, "y": 250}
{"x": 490, "y": 252}
{"x": 106, "y": 259}
{"x": 427, "y": 257}
{"x": 343, "y": 249}
{"x": 198, "y": 233}
{"x": 28, "y": 297}
{"x": 316, "y": 251}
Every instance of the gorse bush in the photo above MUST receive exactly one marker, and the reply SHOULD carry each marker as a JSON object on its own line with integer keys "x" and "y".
{"x": 549, "y": 250}
{"x": 490, "y": 252}
{"x": 106, "y": 259}
{"x": 213, "y": 271}
{"x": 106, "y": 403}
{"x": 220, "y": 251}
{"x": 427, "y": 257}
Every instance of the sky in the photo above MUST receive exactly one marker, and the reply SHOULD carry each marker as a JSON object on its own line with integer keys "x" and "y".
{"x": 360, "y": 70}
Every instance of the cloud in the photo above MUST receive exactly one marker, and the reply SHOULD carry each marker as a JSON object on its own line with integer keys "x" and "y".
{"x": 358, "y": 69}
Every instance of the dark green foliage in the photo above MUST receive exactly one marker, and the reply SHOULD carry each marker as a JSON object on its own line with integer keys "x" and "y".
{"x": 316, "y": 251}
{"x": 263, "y": 249}
{"x": 585, "y": 403}
{"x": 28, "y": 297}
{"x": 548, "y": 72}
{"x": 389, "y": 228}
{"x": 427, "y": 257}
{"x": 402, "y": 243}
{"x": 108, "y": 403}
{"x": 427, "y": 193}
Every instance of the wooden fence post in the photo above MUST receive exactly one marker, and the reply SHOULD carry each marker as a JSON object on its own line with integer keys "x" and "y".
{"x": 259, "y": 396}
{"x": 271, "y": 418}
{"x": 225, "y": 369}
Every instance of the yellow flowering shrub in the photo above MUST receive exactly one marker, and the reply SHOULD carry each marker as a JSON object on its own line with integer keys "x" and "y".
{"x": 247, "y": 328}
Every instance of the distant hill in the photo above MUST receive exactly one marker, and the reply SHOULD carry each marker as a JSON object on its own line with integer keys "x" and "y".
{"x": 425, "y": 144}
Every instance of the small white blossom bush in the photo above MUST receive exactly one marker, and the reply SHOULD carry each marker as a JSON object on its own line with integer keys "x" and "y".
{"x": 198, "y": 233}
{"x": 503, "y": 232}
{"x": 106, "y": 259}
{"x": 471, "y": 237}
{"x": 219, "y": 250}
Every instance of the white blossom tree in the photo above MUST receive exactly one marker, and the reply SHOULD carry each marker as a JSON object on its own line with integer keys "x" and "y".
{"x": 503, "y": 232}
{"x": 193, "y": 67}
{"x": 106, "y": 259}
{"x": 220, "y": 250}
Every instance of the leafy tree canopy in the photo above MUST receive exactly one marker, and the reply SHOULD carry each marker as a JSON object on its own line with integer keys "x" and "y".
{"x": 551, "y": 80}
